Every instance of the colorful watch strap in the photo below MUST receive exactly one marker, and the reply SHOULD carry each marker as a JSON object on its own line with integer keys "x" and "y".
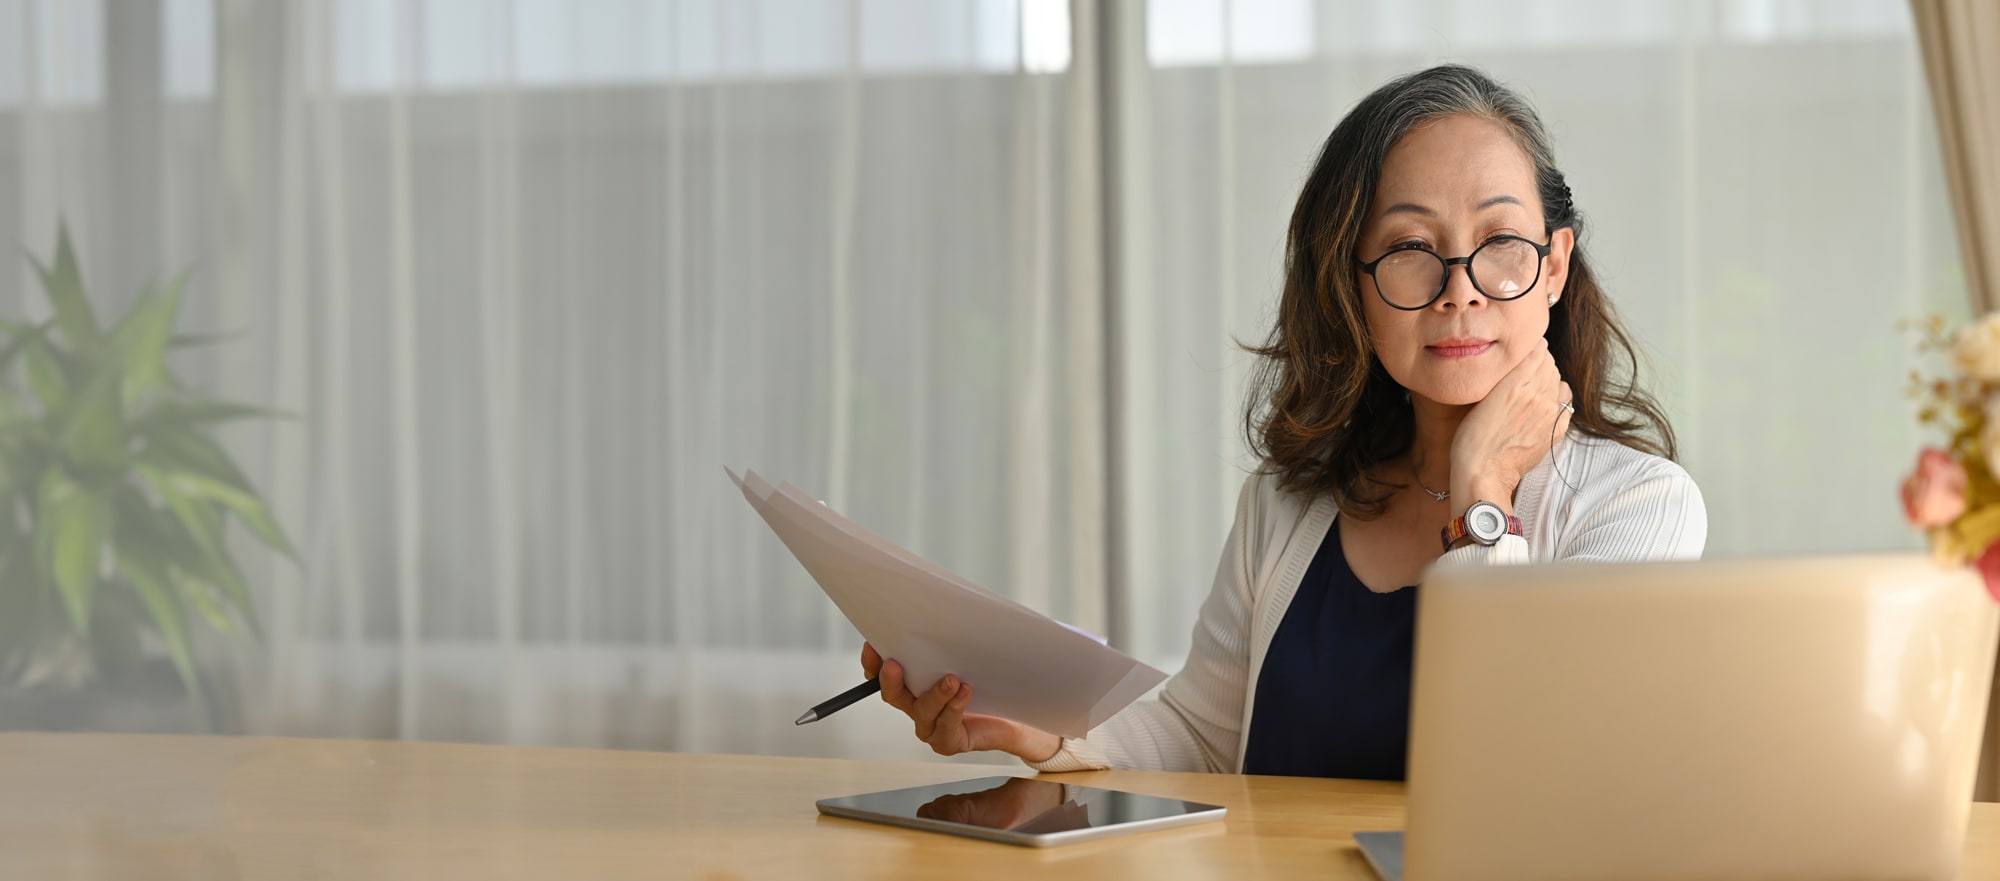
{"x": 1456, "y": 530}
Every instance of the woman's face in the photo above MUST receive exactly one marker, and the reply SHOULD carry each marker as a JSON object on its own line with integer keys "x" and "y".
{"x": 1452, "y": 186}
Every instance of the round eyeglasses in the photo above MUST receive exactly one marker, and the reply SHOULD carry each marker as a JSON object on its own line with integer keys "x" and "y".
{"x": 1412, "y": 278}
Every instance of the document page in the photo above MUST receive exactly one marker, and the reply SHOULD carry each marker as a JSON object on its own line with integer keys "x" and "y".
{"x": 1022, "y": 665}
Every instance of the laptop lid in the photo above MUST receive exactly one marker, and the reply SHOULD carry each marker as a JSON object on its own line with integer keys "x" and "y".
{"x": 1806, "y": 718}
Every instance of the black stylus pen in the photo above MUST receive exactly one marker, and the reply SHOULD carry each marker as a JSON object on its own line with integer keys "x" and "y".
{"x": 840, "y": 701}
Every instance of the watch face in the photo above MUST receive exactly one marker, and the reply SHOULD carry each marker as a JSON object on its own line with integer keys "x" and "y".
{"x": 1486, "y": 523}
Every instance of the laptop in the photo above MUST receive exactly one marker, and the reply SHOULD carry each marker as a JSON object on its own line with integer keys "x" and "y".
{"x": 1778, "y": 718}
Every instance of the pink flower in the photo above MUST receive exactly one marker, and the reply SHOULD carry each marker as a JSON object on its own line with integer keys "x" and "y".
{"x": 1934, "y": 495}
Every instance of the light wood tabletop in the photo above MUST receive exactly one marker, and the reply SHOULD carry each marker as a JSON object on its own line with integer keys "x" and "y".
{"x": 115, "y": 807}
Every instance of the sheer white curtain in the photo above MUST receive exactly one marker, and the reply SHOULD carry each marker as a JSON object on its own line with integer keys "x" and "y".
{"x": 1762, "y": 187}
{"x": 534, "y": 272}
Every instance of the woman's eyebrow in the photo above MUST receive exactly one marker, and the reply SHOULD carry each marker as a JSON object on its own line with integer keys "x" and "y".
{"x": 1412, "y": 208}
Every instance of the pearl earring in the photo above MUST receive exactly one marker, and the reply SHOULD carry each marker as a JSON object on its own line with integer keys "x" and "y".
{"x": 1553, "y": 298}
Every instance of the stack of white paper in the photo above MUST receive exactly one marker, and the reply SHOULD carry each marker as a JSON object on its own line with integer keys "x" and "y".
{"x": 1021, "y": 665}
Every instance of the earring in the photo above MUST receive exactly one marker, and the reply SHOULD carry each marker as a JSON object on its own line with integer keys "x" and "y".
{"x": 1553, "y": 298}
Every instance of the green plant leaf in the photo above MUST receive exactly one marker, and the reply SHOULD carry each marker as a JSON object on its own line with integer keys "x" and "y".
{"x": 18, "y": 432}
{"x": 20, "y": 335}
{"x": 257, "y": 515}
{"x": 186, "y": 449}
{"x": 22, "y": 461}
{"x": 150, "y": 578}
{"x": 12, "y": 472}
{"x": 172, "y": 415}
{"x": 207, "y": 601}
{"x": 140, "y": 340}
{"x": 74, "y": 524}
{"x": 202, "y": 555}
{"x": 13, "y": 411}
{"x": 64, "y": 284}
{"x": 47, "y": 377}
{"x": 199, "y": 516}
{"x": 196, "y": 465}
{"x": 93, "y": 437}
{"x": 209, "y": 573}
{"x": 201, "y": 571}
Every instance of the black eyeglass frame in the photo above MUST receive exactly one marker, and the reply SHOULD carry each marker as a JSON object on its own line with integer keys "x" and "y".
{"x": 1444, "y": 279}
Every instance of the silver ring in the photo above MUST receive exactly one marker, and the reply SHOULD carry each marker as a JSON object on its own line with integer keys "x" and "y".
{"x": 1567, "y": 408}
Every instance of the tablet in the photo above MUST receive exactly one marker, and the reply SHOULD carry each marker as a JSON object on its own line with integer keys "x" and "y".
{"x": 1021, "y": 810}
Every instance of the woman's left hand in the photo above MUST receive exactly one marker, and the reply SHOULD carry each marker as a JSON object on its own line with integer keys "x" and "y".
{"x": 1509, "y": 432}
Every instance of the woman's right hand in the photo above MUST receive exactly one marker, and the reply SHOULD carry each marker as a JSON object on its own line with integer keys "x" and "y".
{"x": 1509, "y": 432}
{"x": 941, "y": 720}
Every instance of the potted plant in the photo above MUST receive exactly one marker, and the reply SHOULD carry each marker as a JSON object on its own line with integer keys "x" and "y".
{"x": 115, "y": 505}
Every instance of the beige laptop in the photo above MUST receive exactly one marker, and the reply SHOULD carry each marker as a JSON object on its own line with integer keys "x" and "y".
{"x": 1782, "y": 718}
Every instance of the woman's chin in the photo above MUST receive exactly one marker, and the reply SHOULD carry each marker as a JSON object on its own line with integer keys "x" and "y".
{"x": 1455, "y": 394}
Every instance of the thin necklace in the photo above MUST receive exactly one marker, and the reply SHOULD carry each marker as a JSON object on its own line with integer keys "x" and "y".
{"x": 1440, "y": 496}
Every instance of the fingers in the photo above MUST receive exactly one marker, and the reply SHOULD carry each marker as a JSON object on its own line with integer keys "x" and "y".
{"x": 871, "y": 661}
{"x": 1545, "y": 364}
{"x": 939, "y": 712}
{"x": 952, "y": 717}
{"x": 1535, "y": 369}
{"x": 931, "y": 703}
{"x": 894, "y": 692}
{"x": 1509, "y": 430}
{"x": 1530, "y": 357}
{"x": 1539, "y": 375}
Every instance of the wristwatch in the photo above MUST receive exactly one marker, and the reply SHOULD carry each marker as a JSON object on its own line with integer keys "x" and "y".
{"x": 1484, "y": 522}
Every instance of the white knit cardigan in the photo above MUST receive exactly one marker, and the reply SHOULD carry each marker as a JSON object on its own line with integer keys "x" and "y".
{"x": 1626, "y": 505}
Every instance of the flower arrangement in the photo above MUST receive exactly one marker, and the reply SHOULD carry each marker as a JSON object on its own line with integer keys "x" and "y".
{"x": 1954, "y": 494}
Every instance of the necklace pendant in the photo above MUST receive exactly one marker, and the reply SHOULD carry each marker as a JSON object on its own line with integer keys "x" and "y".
{"x": 1434, "y": 494}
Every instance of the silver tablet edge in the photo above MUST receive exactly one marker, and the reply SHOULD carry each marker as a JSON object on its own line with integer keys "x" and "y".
{"x": 1372, "y": 845}
{"x": 1043, "y": 839}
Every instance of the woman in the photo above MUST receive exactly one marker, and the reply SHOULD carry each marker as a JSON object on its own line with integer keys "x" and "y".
{"x": 1439, "y": 336}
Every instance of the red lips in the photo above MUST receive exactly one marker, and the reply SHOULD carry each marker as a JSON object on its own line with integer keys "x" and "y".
{"x": 1459, "y": 347}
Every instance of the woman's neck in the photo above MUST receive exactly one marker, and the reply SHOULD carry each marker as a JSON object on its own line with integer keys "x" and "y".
{"x": 1430, "y": 451}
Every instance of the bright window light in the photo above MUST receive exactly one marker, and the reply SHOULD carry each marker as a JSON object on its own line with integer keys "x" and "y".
{"x": 1045, "y": 36}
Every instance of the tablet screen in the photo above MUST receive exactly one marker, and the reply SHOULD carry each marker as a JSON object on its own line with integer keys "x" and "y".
{"x": 1022, "y": 810}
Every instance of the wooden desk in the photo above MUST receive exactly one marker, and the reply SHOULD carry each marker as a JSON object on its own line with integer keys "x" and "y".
{"x": 118, "y": 807}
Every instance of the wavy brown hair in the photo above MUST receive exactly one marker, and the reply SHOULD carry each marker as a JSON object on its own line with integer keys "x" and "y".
{"x": 1323, "y": 411}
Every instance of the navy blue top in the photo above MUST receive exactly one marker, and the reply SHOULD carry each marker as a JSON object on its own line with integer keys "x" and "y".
{"x": 1333, "y": 699}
